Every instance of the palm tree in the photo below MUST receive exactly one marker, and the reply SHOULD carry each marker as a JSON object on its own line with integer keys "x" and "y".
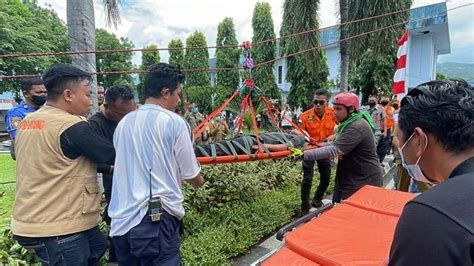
{"x": 81, "y": 31}
{"x": 379, "y": 42}
{"x": 344, "y": 45}
{"x": 306, "y": 72}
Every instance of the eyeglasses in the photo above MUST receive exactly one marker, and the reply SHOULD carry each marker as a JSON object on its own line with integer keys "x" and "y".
{"x": 316, "y": 102}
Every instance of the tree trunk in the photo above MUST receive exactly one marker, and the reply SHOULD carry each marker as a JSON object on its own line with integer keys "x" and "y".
{"x": 344, "y": 45}
{"x": 81, "y": 31}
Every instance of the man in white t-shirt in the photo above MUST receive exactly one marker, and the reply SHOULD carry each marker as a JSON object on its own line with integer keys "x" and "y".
{"x": 286, "y": 115}
{"x": 154, "y": 155}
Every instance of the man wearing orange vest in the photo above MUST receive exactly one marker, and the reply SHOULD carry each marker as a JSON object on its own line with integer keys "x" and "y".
{"x": 319, "y": 123}
{"x": 385, "y": 143}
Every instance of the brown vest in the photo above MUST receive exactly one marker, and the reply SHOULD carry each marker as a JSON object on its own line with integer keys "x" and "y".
{"x": 54, "y": 194}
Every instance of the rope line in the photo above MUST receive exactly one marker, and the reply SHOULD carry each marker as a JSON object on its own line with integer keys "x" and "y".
{"x": 40, "y": 54}
{"x": 241, "y": 68}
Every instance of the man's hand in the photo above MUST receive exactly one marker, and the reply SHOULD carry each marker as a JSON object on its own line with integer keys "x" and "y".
{"x": 196, "y": 182}
{"x": 384, "y": 134}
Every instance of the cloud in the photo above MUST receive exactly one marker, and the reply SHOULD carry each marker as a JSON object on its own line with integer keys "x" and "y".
{"x": 159, "y": 21}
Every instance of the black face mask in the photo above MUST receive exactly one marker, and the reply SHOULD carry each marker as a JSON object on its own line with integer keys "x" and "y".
{"x": 39, "y": 100}
{"x": 384, "y": 103}
{"x": 371, "y": 103}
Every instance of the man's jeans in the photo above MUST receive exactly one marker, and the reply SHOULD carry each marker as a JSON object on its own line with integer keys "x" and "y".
{"x": 84, "y": 248}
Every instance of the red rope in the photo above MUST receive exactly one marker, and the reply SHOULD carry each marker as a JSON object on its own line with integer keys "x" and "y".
{"x": 240, "y": 120}
{"x": 255, "y": 125}
{"x": 199, "y": 129}
{"x": 269, "y": 106}
{"x": 293, "y": 124}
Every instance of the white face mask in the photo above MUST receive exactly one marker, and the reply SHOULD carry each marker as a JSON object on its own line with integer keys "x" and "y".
{"x": 414, "y": 170}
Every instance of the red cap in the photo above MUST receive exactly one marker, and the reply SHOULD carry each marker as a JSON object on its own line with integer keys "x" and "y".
{"x": 347, "y": 99}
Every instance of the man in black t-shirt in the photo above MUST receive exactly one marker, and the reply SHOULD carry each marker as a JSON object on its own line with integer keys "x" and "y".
{"x": 119, "y": 101}
{"x": 436, "y": 137}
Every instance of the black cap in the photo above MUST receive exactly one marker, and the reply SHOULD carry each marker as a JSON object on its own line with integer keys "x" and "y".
{"x": 58, "y": 71}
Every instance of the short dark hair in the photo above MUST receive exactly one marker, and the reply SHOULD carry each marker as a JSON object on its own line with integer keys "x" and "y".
{"x": 114, "y": 93}
{"x": 59, "y": 76}
{"x": 161, "y": 76}
{"x": 27, "y": 84}
{"x": 444, "y": 108}
{"x": 321, "y": 92}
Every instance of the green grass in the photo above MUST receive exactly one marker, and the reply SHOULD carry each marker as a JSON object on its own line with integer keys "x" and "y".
{"x": 7, "y": 191}
{"x": 7, "y": 168}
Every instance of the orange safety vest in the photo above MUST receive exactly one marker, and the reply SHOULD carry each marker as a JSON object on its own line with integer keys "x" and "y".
{"x": 318, "y": 129}
{"x": 389, "y": 113}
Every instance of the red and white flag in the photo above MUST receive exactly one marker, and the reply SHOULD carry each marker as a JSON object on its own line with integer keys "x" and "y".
{"x": 399, "y": 78}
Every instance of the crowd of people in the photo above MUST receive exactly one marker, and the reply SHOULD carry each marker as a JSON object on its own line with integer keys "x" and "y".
{"x": 145, "y": 153}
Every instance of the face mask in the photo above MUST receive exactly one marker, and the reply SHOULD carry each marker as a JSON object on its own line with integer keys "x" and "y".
{"x": 414, "y": 170}
{"x": 371, "y": 103}
{"x": 384, "y": 103}
{"x": 194, "y": 110}
{"x": 39, "y": 100}
{"x": 218, "y": 118}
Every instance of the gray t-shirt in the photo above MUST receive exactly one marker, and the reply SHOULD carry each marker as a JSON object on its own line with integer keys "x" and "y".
{"x": 379, "y": 116}
{"x": 359, "y": 164}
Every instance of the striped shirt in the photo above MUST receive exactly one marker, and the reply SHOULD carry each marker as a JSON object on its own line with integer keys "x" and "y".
{"x": 150, "y": 138}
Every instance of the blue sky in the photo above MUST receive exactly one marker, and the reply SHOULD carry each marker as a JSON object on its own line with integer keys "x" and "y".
{"x": 159, "y": 21}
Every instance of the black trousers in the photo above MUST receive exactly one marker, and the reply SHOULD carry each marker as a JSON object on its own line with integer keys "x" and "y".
{"x": 384, "y": 145}
{"x": 324, "y": 168}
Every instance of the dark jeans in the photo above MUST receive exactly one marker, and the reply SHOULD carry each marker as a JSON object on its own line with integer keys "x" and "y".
{"x": 150, "y": 243}
{"x": 107, "y": 183}
{"x": 384, "y": 145}
{"x": 324, "y": 167}
{"x": 84, "y": 248}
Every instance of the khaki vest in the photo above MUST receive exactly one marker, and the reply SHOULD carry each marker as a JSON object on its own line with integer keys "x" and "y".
{"x": 54, "y": 194}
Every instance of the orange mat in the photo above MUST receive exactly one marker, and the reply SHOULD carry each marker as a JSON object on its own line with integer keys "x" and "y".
{"x": 287, "y": 257}
{"x": 390, "y": 202}
{"x": 345, "y": 235}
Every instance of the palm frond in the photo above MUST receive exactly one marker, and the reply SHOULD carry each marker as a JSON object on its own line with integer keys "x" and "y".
{"x": 112, "y": 12}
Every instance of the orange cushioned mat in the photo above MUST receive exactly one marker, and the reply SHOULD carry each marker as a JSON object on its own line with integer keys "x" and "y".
{"x": 390, "y": 202}
{"x": 345, "y": 235}
{"x": 287, "y": 257}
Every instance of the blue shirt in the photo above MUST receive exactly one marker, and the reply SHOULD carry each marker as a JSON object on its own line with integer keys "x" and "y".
{"x": 15, "y": 115}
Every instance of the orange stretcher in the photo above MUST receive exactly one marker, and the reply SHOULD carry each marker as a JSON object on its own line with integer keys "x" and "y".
{"x": 358, "y": 231}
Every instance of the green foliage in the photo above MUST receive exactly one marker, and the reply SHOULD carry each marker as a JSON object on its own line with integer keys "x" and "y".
{"x": 253, "y": 199}
{"x": 373, "y": 74}
{"x": 456, "y": 70}
{"x": 376, "y": 41}
{"x": 197, "y": 59}
{"x": 11, "y": 253}
{"x": 440, "y": 76}
{"x": 113, "y": 61}
{"x": 24, "y": 28}
{"x": 309, "y": 71}
{"x": 227, "y": 57}
{"x": 176, "y": 56}
{"x": 207, "y": 98}
{"x": 217, "y": 236}
{"x": 149, "y": 58}
{"x": 262, "y": 24}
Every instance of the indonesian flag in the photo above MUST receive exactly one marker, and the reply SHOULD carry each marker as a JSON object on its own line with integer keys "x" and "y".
{"x": 399, "y": 78}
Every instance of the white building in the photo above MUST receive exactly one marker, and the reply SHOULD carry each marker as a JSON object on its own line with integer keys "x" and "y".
{"x": 428, "y": 38}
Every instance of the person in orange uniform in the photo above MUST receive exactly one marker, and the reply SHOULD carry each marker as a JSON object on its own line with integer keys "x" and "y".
{"x": 386, "y": 142}
{"x": 319, "y": 123}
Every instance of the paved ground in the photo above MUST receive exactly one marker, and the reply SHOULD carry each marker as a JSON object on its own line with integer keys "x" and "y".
{"x": 272, "y": 244}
